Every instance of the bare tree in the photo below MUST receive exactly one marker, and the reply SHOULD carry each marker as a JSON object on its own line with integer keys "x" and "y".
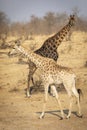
{"x": 4, "y": 23}
{"x": 49, "y": 22}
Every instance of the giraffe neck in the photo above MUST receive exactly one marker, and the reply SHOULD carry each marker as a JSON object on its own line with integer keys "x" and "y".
{"x": 61, "y": 34}
{"x": 37, "y": 59}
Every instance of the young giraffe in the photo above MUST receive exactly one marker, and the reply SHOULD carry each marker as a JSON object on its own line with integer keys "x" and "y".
{"x": 51, "y": 74}
{"x": 49, "y": 49}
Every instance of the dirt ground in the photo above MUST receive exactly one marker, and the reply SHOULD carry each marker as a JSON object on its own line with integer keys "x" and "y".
{"x": 20, "y": 113}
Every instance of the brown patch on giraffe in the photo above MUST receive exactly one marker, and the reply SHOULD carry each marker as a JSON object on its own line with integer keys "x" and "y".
{"x": 60, "y": 40}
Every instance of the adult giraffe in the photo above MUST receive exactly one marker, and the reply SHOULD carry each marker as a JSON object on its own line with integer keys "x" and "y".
{"x": 49, "y": 48}
{"x": 52, "y": 73}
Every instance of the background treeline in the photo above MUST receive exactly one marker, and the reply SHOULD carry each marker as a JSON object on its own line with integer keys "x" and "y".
{"x": 50, "y": 23}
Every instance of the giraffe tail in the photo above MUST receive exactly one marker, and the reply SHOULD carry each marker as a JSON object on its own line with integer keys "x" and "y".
{"x": 80, "y": 93}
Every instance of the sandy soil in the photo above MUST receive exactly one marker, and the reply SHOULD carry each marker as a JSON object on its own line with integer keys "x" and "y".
{"x": 20, "y": 113}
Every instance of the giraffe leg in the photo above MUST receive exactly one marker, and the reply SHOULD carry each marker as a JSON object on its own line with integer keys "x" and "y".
{"x": 52, "y": 90}
{"x": 72, "y": 90}
{"x": 78, "y": 101}
{"x": 30, "y": 78}
{"x": 32, "y": 69}
{"x": 45, "y": 101}
{"x": 58, "y": 100}
{"x": 68, "y": 85}
{"x": 70, "y": 106}
{"x": 28, "y": 86}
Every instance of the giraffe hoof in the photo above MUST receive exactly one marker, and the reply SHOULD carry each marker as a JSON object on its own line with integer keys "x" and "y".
{"x": 67, "y": 117}
{"x": 28, "y": 95}
{"x": 41, "y": 117}
{"x": 80, "y": 116}
{"x": 61, "y": 118}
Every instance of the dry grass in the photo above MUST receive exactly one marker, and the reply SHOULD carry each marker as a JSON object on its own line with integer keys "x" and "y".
{"x": 20, "y": 113}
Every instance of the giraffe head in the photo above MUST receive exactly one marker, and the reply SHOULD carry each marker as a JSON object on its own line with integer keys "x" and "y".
{"x": 72, "y": 20}
{"x": 14, "y": 51}
{"x": 18, "y": 50}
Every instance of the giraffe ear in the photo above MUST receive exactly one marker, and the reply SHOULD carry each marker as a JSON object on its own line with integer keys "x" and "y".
{"x": 70, "y": 17}
{"x": 73, "y": 15}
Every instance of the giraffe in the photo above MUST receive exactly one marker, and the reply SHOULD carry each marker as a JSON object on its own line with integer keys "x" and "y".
{"x": 52, "y": 73}
{"x": 49, "y": 49}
